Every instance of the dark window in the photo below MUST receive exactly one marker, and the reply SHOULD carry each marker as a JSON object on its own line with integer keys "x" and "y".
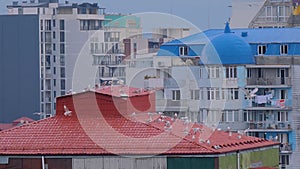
{"x": 62, "y": 36}
{"x": 62, "y": 48}
{"x": 61, "y": 25}
{"x": 62, "y": 84}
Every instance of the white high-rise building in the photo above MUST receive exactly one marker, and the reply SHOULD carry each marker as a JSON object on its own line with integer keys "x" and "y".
{"x": 64, "y": 28}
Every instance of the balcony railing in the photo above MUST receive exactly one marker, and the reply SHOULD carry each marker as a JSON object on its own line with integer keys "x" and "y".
{"x": 286, "y": 148}
{"x": 273, "y": 103}
{"x": 267, "y": 125}
{"x": 269, "y": 81}
{"x": 171, "y": 105}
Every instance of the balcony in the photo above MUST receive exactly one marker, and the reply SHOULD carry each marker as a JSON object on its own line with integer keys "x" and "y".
{"x": 286, "y": 148}
{"x": 171, "y": 105}
{"x": 268, "y": 125}
{"x": 154, "y": 83}
{"x": 273, "y": 104}
{"x": 271, "y": 82}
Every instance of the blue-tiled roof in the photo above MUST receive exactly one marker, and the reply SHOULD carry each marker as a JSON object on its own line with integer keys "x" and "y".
{"x": 236, "y": 46}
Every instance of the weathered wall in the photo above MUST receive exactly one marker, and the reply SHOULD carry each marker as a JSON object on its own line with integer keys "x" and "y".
{"x": 119, "y": 163}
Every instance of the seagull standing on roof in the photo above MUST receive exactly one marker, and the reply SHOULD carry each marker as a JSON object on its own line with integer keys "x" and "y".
{"x": 67, "y": 111}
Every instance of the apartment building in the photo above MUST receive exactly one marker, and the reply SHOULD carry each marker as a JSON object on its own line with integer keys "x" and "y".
{"x": 242, "y": 80}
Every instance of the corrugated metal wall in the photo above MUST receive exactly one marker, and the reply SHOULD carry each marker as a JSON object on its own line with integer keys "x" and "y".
{"x": 119, "y": 163}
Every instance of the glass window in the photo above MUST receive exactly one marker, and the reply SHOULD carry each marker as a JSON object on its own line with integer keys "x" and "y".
{"x": 283, "y": 49}
{"x": 62, "y": 48}
{"x": 261, "y": 49}
{"x": 61, "y": 25}
{"x": 175, "y": 94}
{"x": 231, "y": 72}
{"x": 62, "y": 84}
{"x": 62, "y": 36}
{"x": 183, "y": 51}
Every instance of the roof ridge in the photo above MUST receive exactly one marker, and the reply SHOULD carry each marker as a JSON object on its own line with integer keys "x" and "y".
{"x": 183, "y": 138}
{"x": 27, "y": 124}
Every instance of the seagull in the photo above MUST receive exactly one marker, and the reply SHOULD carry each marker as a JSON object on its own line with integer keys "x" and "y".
{"x": 38, "y": 113}
{"x": 67, "y": 111}
{"x": 250, "y": 94}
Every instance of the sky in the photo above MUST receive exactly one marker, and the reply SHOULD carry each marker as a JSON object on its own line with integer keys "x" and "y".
{"x": 202, "y": 13}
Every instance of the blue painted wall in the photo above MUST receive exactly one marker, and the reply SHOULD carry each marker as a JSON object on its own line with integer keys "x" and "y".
{"x": 19, "y": 67}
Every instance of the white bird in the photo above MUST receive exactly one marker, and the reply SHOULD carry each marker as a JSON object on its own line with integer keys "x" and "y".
{"x": 67, "y": 111}
{"x": 250, "y": 94}
{"x": 38, "y": 113}
{"x": 121, "y": 82}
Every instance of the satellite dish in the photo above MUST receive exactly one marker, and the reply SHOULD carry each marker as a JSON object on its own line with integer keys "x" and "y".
{"x": 67, "y": 111}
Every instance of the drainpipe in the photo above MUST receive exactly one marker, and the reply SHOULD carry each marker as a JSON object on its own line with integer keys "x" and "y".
{"x": 238, "y": 159}
{"x": 43, "y": 162}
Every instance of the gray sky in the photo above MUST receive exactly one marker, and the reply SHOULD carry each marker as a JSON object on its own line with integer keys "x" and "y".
{"x": 202, "y": 13}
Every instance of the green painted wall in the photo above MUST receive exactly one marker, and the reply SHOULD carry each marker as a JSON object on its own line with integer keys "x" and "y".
{"x": 190, "y": 163}
{"x": 121, "y": 21}
{"x": 268, "y": 158}
{"x": 228, "y": 162}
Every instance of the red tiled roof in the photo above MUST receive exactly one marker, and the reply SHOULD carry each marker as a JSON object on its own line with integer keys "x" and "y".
{"x": 5, "y": 126}
{"x": 24, "y": 119}
{"x": 88, "y": 132}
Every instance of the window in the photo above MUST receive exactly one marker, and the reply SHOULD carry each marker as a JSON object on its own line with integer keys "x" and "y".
{"x": 54, "y": 46}
{"x": 54, "y": 94}
{"x": 261, "y": 49}
{"x": 231, "y": 72}
{"x": 54, "y": 58}
{"x": 54, "y": 82}
{"x": 201, "y": 93}
{"x": 259, "y": 73}
{"x": 62, "y": 36}
{"x": 62, "y": 84}
{"x": 201, "y": 73}
{"x": 62, "y": 72}
{"x": 283, "y": 49}
{"x": 53, "y": 22}
{"x": 195, "y": 94}
{"x": 282, "y": 94}
{"x": 283, "y": 72}
{"x": 183, "y": 51}
{"x": 284, "y": 160}
{"x": 213, "y": 94}
{"x": 61, "y": 25}
{"x": 268, "y": 12}
{"x": 90, "y": 25}
{"x": 210, "y": 94}
{"x": 213, "y": 72}
{"x": 249, "y": 116}
{"x": 54, "y": 35}
{"x": 47, "y": 25}
{"x": 54, "y": 70}
{"x": 233, "y": 94}
{"x": 282, "y": 116}
{"x": 62, "y": 48}
{"x": 230, "y": 116}
{"x": 41, "y": 25}
{"x": 175, "y": 94}
{"x": 249, "y": 73}
{"x": 213, "y": 116}
{"x": 62, "y": 60}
